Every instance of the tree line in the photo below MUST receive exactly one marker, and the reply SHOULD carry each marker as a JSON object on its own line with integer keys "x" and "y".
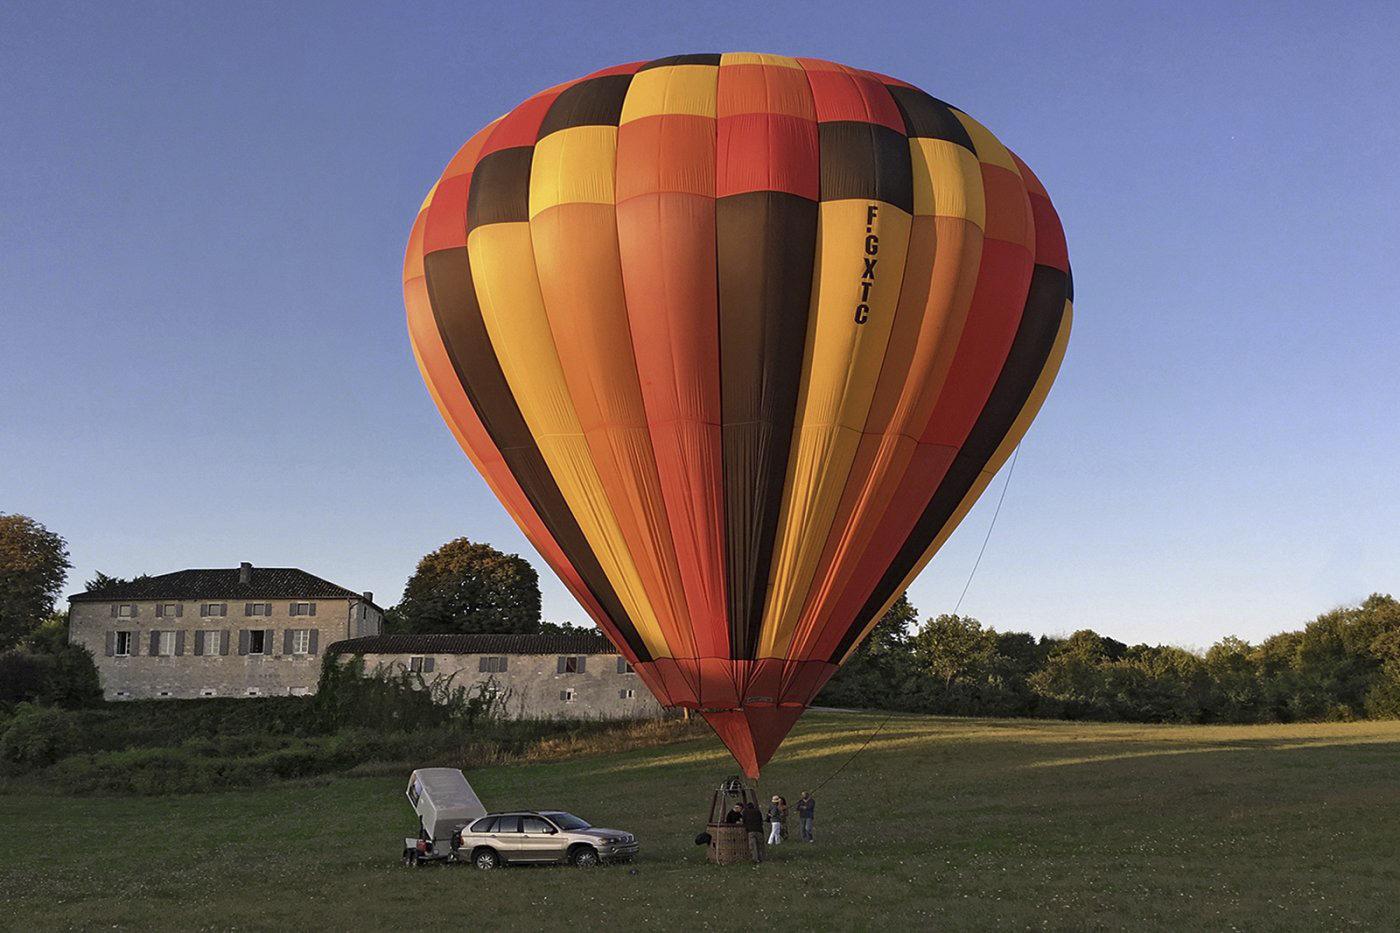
{"x": 1345, "y": 664}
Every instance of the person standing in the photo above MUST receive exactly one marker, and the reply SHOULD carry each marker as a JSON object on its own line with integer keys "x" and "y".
{"x": 753, "y": 825}
{"x": 807, "y": 813}
{"x": 775, "y": 820}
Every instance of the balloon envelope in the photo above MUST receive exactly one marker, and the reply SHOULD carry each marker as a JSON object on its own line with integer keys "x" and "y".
{"x": 737, "y": 340}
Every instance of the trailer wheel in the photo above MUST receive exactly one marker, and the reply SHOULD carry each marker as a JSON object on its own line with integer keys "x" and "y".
{"x": 486, "y": 859}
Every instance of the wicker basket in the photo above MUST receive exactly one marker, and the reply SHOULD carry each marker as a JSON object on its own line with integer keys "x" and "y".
{"x": 728, "y": 843}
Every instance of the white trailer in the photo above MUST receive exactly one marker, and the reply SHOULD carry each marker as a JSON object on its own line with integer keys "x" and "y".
{"x": 445, "y": 803}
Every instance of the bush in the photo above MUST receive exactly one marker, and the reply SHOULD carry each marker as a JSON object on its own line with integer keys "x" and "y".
{"x": 37, "y": 737}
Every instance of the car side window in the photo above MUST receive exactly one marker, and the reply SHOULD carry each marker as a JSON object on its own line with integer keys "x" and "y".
{"x": 508, "y": 824}
{"x": 484, "y": 824}
{"x": 533, "y": 824}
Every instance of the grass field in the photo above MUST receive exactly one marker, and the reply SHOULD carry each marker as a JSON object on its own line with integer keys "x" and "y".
{"x": 940, "y": 823}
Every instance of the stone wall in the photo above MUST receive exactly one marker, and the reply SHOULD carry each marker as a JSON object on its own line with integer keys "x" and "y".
{"x": 285, "y": 667}
{"x": 532, "y": 686}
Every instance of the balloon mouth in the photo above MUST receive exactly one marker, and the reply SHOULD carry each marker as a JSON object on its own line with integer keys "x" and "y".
{"x": 752, "y": 733}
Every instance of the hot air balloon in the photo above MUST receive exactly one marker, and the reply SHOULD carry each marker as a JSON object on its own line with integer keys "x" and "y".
{"x": 737, "y": 340}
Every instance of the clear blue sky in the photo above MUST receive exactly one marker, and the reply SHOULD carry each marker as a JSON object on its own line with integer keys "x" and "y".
{"x": 203, "y": 210}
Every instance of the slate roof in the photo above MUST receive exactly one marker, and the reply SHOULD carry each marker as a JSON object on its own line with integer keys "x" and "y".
{"x": 573, "y": 643}
{"x": 222, "y": 584}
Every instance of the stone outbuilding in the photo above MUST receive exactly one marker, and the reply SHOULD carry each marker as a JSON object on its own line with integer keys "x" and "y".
{"x": 238, "y": 632}
{"x": 576, "y": 675}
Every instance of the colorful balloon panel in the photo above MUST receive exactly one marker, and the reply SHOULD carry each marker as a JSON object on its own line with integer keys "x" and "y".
{"x": 737, "y": 340}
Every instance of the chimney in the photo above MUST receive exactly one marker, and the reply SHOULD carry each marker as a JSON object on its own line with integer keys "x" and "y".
{"x": 369, "y": 596}
{"x": 245, "y": 572}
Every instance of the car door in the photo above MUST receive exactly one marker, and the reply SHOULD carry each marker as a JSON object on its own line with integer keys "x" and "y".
{"x": 541, "y": 839}
{"x": 507, "y": 838}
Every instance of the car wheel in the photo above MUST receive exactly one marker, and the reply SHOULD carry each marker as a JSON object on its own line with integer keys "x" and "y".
{"x": 486, "y": 859}
{"x": 585, "y": 857}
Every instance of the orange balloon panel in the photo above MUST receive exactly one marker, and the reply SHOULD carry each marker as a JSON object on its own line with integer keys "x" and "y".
{"x": 737, "y": 340}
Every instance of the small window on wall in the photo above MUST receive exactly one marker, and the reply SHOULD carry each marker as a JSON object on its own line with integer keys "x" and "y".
{"x": 169, "y": 610}
{"x": 122, "y": 645}
{"x": 208, "y": 692}
{"x": 164, "y": 693}
{"x": 303, "y": 609}
{"x": 257, "y": 609}
{"x": 253, "y": 692}
{"x": 623, "y": 667}
{"x": 422, "y": 665}
{"x": 126, "y": 611}
{"x": 627, "y": 694}
{"x": 299, "y": 691}
{"x": 571, "y": 664}
{"x": 121, "y": 694}
{"x": 567, "y": 696}
{"x": 213, "y": 610}
{"x": 492, "y": 665}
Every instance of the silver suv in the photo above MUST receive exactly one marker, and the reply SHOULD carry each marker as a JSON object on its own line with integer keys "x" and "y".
{"x": 541, "y": 836}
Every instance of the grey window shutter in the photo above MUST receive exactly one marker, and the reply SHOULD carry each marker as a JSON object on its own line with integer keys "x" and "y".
{"x": 179, "y": 643}
{"x": 180, "y": 610}
{"x": 314, "y": 644}
{"x": 563, "y": 694}
{"x": 562, "y": 663}
{"x": 203, "y": 610}
{"x": 582, "y": 663}
{"x": 223, "y": 642}
{"x": 111, "y": 644}
{"x": 293, "y": 610}
{"x": 199, "y": 641}
{"x": 267, "y": 609}
{"x": 621, "y": 664}
{"x": 160, "y": 610}
{"x": 113, "y": 607}
{"x": 135, "y": 610}
{"x": 481, "y": 666}
{"x": 133, "y": 644}
{"x": 243, "y": 641}
{"x": 287, "y": 635}
{"x": 155, "y": 643}
{"x": 429, "y": 664}
{"x": 313, "y": 609}
{"x": 247, "y": 609}
{"x": 269, "y": 646}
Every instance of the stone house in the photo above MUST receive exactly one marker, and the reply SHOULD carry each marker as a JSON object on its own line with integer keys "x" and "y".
{"x": 579, "y": 675}
{"x": 239, "y": 632}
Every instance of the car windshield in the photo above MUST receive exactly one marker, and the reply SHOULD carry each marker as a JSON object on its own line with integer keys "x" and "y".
{"x": 567, "y": 821}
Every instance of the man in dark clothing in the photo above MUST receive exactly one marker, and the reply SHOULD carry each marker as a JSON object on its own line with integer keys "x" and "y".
{"x": 806, "y": 812}
{"x": 753, "y": 825}
{"x": 735, "y": 814}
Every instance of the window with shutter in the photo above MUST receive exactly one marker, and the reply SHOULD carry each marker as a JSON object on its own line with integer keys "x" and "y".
{"x": 429, "y": 664}
{"x": 623, "y": 667}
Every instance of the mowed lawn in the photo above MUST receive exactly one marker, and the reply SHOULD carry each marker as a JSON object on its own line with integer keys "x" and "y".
{"x": 940, "y": 823}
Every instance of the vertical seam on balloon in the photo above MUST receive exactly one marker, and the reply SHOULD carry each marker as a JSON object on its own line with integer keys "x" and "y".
{"x": 802, "y": 634}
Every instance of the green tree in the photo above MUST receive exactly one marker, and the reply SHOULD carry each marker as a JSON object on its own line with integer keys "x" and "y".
{"x": 879, "y": 672}
{"x": 952, "y": 646}
{"x": 33, "y": 565}
{"x": 465, "y": 586}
